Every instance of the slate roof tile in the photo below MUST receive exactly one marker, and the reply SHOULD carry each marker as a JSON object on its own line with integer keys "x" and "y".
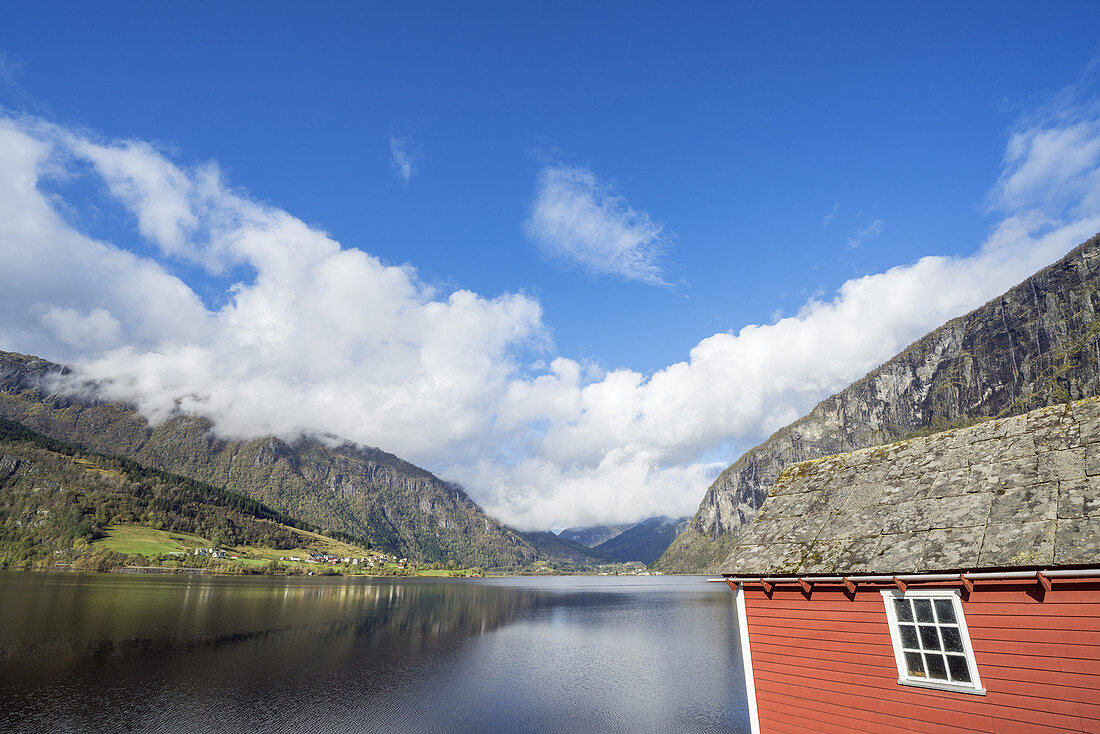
{"x": 1017, "y": 544}
{"x": 1079, "y": 498}
{"x": 1092, "y": 459}
{"x": 950, "y": 483}
{"x": 856, "y": 555}
{"x": 895, "y": 549}
{"x": 966, "y": 511}
{"x": 1075, "y": 541}
{"x": 1055, "y": 466}
{"x": 950, "y": 548}
{"x": 1034, "y": 502}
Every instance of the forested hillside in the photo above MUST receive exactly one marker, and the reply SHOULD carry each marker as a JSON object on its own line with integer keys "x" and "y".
{"x": 56, "y": 498}
{"x": 362, "y": 492}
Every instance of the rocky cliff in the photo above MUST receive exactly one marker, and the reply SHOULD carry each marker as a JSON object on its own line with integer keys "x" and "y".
{"x": 1036, "y": 345}
{"x": 335, "y": 485}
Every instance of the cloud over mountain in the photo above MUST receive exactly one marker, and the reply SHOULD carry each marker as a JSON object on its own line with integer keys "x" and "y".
{"x": 307, "y": 335}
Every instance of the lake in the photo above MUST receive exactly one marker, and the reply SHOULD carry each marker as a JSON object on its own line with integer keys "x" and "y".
{"x": 219, "y": 654}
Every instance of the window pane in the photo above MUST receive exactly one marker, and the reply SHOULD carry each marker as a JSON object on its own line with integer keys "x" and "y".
{"x": 945, "y": 611}
{"x": 952, "y": 640}
{"x": 960, "y": 673}
{"x": 928, "y": 638}
{"x": 936, "y": 668}
{"x": 924, "y": 610}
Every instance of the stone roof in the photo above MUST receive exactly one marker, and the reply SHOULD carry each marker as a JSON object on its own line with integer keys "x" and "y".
{"x": 1016, "y": 492}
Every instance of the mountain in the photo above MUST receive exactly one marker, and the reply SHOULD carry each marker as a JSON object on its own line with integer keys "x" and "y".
{"x": 592, "y": 536}
{"x": 362, "y": 492}
{"x": 1034, "y": 346}
{"x": 56, "y": 499}
{"x": 645, "y": 541}
{"x": 562, "y": 550}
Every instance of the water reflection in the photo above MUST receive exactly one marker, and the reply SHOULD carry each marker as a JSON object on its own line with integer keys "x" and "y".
{"x": 200, "y": 654}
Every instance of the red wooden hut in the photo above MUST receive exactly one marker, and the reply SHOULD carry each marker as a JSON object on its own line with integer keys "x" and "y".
{"x": 943, "y": 584}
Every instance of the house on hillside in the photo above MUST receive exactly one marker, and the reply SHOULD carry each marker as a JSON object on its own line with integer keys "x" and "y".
{"x": 944, "y": 584}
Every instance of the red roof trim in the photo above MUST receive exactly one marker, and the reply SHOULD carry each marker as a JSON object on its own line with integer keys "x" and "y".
{"x": 1045, "y": 578}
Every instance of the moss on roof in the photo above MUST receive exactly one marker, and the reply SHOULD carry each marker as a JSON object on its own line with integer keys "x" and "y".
{"x": 1016, "y": 492}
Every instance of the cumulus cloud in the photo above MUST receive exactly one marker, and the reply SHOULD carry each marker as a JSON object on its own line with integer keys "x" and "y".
{"x": 318, "y": 326}
{"x": 582, "y": 220}
{"x": 402, "y": 156}
{"x": 63, "y": 293}
{"x": 328, "y": 339}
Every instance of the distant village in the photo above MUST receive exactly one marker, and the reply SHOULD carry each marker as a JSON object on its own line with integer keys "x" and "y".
{"x": 387, "y": 564}
{"x": 369, "y": 561}
{"x": 382, "y": 562}
{"x": 373, "y": 561}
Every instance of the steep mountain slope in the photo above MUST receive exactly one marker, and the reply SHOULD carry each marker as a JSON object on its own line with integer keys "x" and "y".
{"x": 645, "y": 541}
{"x": 1036, "y": 345}
{"x": 592, "y": 536}
{"x": 363, "y": 492}
{"x": 55, "y": 498}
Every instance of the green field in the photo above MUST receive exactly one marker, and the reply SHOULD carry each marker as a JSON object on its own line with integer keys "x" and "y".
{"x": 308, "y": 543}
{"x": 148, "y": 541}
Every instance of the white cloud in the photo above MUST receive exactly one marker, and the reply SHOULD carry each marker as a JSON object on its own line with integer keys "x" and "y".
{"x": 322, "y": 339}
{"x": 53, "y": 276}
{"x": 10, "y": 69}
{"x": 861, "y": 235}
{"x": 325, "y": 338}
{"x": 580, "y": 219}
{"x": 830, "y": 215}
{"x": 96, "y": 329}
{"x": 1052, "y": 167}
{"x": 402, "y": 156}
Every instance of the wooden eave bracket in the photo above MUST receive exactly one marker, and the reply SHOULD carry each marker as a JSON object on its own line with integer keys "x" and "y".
{"x": 807, "y": 586}
{"x": 902, "y": 586}
{"x": 768, "y": 586}
{"x": 1044, "y": 580}
{"x": 967, "y": 583}
{"x": 850, "y": 585}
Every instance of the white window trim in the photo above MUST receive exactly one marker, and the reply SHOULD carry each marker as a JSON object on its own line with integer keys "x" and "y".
{"x": 888, "y": 596}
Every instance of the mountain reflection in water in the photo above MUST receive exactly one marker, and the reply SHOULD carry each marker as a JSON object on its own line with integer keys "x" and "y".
{"x": 205, "y": 654}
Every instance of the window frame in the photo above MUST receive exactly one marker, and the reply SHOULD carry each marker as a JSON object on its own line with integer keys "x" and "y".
{"x": 904, "y": 678}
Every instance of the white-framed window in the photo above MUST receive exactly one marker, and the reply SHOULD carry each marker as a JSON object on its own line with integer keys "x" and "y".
{"x": 931, "y": 642}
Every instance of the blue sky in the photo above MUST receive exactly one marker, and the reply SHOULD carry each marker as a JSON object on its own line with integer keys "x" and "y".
{"x": 643, "y": 176}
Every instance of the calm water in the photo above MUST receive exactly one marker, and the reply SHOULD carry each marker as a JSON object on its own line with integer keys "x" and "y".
{"x": 202, "y": 654}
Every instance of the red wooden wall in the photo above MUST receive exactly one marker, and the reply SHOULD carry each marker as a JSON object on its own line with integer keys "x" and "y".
{"x": 825, "y": 663}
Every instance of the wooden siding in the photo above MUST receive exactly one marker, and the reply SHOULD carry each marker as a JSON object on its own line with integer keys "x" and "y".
{"x": 825, "y": 663}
